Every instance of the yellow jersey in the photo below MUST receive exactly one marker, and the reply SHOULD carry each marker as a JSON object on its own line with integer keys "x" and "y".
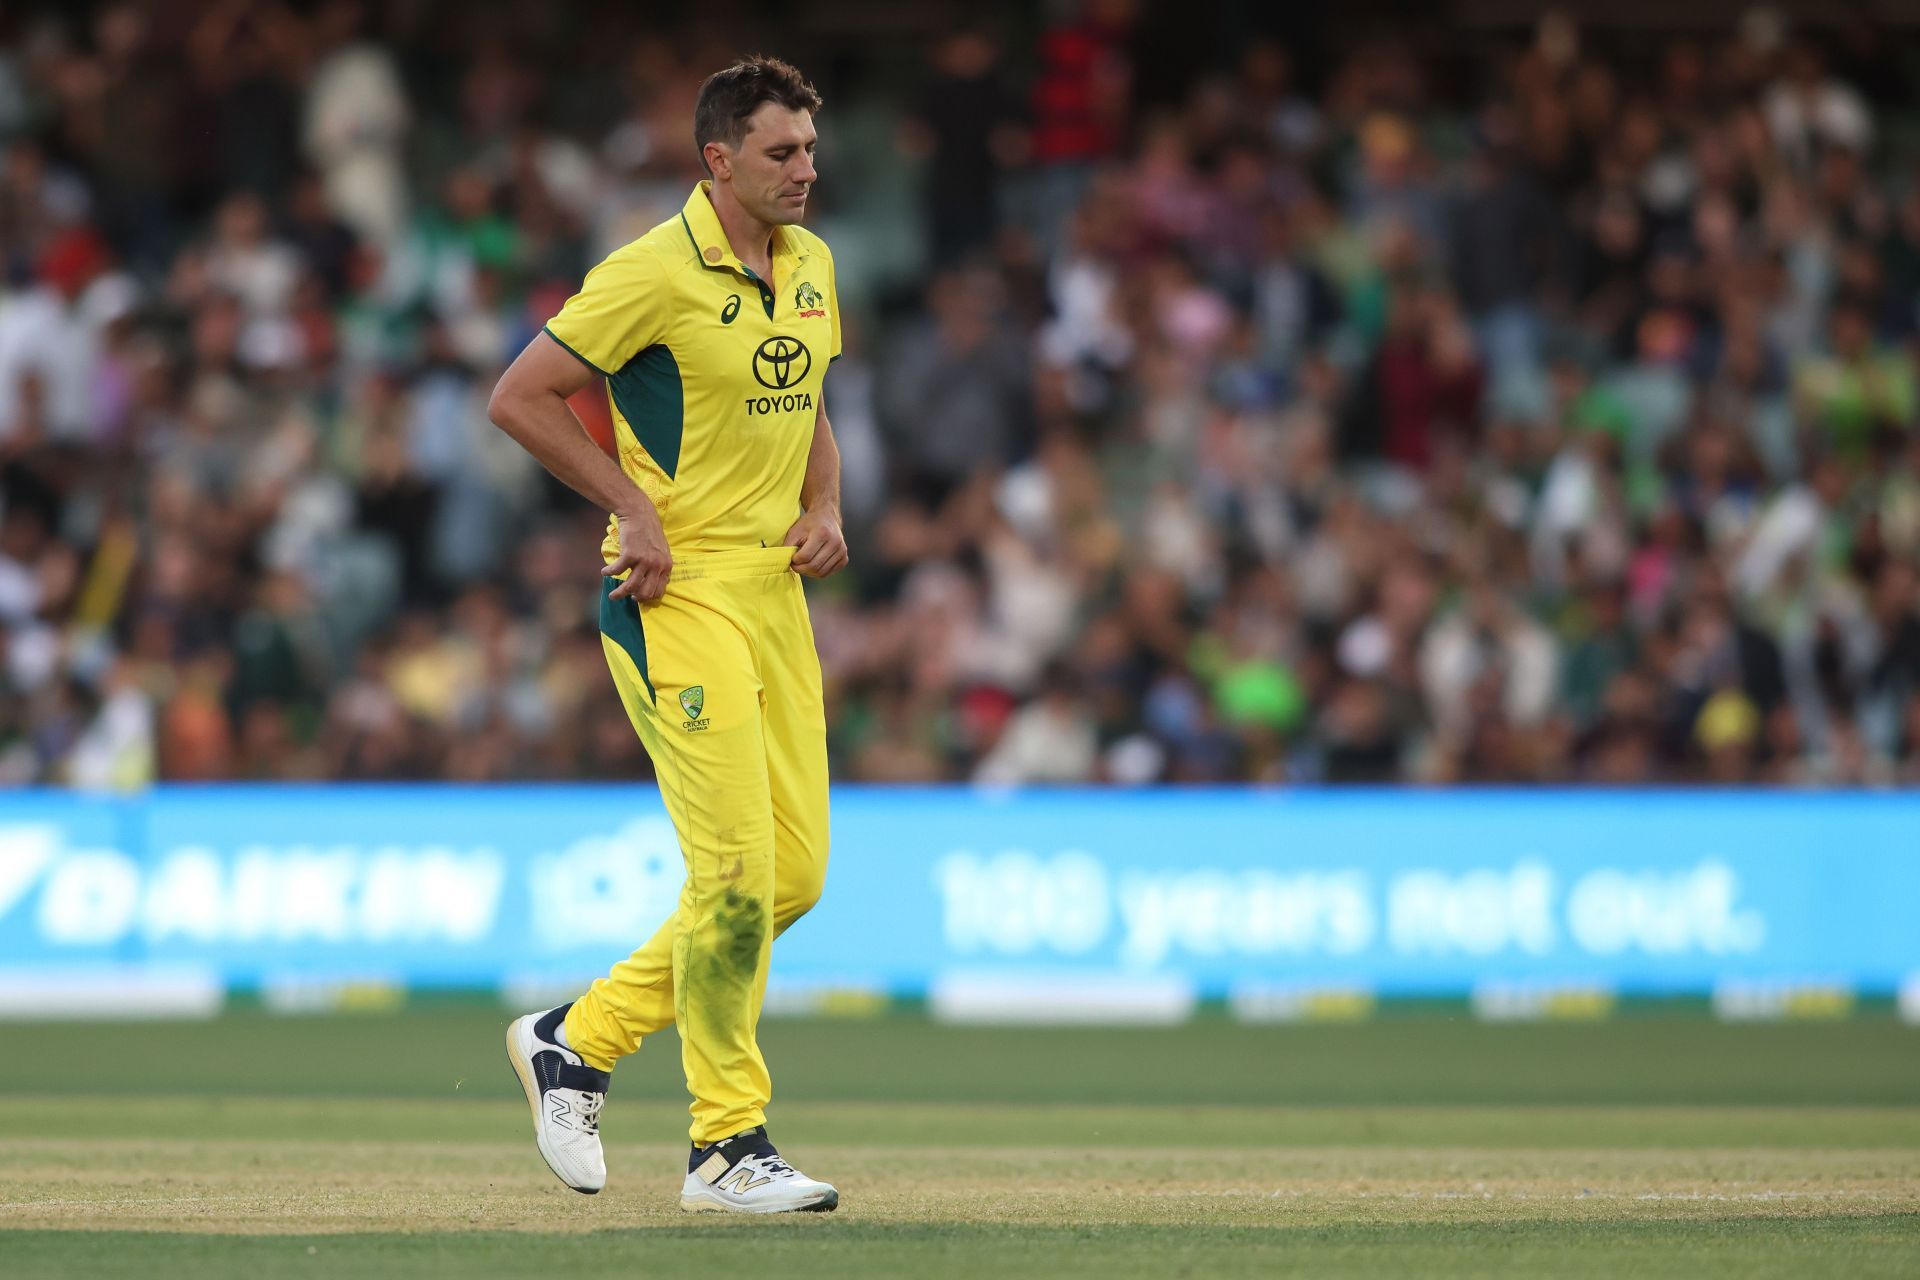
{"x": 714, "y": 374}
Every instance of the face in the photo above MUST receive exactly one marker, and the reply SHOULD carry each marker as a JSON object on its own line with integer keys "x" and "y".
{"x": 771, "y": 171}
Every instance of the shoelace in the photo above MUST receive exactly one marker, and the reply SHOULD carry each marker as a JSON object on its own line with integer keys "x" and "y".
{"x": 772, "y": 1164}
{"x": 587, "y": 1107}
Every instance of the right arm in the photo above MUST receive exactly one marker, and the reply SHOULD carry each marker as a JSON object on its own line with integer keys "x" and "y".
{"x": 530, "y": 404}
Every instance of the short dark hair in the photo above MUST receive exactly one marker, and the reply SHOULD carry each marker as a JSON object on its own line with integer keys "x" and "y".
{"x": 729, "y": 96}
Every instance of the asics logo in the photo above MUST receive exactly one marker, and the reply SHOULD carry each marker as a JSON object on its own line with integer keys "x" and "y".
{"x": 779, "y": 363}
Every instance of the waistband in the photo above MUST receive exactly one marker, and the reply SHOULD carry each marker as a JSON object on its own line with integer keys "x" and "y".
{"x": 741, "y": 562}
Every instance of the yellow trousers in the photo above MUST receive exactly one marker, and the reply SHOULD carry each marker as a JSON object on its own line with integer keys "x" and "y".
{"x": 721, "y": 681}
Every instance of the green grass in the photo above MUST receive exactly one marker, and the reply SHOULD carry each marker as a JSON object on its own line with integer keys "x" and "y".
{"x": 396, "y": 1146}
{"x": 1862, "y": 1247}
{"x": 1432, "y": 1061}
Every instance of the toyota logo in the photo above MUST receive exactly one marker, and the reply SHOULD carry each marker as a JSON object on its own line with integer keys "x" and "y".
{"x": 779, "y": 363}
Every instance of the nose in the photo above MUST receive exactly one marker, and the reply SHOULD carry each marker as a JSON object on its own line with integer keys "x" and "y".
{"x": 805, "y": 173}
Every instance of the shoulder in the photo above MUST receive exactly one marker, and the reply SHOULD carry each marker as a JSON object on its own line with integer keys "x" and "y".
{"x": 656, "y": 256}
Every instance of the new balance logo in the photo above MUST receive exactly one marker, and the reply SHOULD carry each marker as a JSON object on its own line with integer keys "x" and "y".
{"x": 559, "y": 1114}
{"x": 740, "y": 1180}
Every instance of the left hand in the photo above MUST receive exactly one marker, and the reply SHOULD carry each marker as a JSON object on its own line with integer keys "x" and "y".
{"x": 820, "y": 549}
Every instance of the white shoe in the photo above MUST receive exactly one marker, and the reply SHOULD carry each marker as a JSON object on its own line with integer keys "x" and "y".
{"x": 565, "y": 1095}
{"x": 744, "y": 1174}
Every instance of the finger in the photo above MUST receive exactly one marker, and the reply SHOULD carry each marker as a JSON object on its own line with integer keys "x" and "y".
{"x": 655, "y": 584}
{"x": 809, "y": 545}
{"x": 636, "y": 581}
{"x": 817, "y": 557}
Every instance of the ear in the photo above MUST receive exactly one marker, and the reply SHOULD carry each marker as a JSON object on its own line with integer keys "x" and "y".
{"x": 719, "y": 158}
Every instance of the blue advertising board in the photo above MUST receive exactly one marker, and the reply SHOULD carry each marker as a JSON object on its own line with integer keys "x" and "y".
{"x": 1394, "y": 891}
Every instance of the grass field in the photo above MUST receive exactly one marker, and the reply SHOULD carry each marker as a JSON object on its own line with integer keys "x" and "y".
{"x": 398, "y": 1146}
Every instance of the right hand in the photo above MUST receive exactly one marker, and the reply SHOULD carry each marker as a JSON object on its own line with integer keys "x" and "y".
{"x": 643, "y": 549}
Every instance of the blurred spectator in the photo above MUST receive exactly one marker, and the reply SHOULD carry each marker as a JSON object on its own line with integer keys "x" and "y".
{"x": 356, "y": 119}
{"x": 1856, "y": 388}
{"x": 955, "y": 389}
{"x": 967, "y": 126}
{"x": 1051, "y": 739}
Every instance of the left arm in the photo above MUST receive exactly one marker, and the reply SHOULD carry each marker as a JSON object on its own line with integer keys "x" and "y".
{"x": 820, "y": 549}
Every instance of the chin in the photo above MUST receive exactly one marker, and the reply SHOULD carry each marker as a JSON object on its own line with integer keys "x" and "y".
{"x": 783, "y": 214}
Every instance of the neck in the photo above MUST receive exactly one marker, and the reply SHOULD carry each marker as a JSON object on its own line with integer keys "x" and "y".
{"x": 750, "y": 238}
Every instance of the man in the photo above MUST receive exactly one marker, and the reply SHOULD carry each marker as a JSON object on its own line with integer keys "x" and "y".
{"x": 714, "y": 331}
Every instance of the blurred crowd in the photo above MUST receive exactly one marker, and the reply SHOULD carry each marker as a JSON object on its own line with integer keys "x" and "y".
{"x": 1543, "y": 414}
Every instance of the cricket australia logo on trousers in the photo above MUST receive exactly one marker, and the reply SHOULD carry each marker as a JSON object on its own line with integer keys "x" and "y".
{"x": 693, "y": 699}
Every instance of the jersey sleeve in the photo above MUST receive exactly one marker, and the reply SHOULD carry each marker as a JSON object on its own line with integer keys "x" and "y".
{"x": 619, "y": 312}
{"x": 833, "y": 313}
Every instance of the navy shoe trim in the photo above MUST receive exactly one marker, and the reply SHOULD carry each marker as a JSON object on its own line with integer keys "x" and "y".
{"x": 548, "y": 1028}
{"x": 577, "y": 1076}
{"x": 748, "y": 1142}
{"x": 555, "y": 1072}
